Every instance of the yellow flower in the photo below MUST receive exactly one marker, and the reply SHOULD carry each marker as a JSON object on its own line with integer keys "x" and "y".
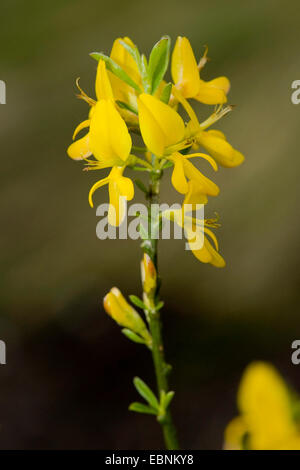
{"x": 213, "y": 141}
{"x": 109, "y": 141}
{"x": 81, "y": 149}
{"x": 202, "y": 248}
{"x": 163, "y": 132}
{"x": 186, "y": 76}
{"x": 266, "y": 421}
{"x": 125, "y": 315}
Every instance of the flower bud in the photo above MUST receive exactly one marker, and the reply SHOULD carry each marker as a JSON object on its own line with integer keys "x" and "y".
{"x": 124, "y": 314}
{"x": 148, "y": 273}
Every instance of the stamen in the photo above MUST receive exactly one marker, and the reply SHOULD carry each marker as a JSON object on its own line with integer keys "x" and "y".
{"x": 203, "y": 59}
{"x": 83, "y": 96}
{"x": 215, "y": 117}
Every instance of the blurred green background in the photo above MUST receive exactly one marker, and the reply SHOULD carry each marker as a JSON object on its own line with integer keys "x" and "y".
{"x": 67, "y": 382}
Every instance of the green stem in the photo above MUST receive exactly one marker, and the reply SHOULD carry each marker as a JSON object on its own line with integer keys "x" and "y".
{"x": 153, "y": 316}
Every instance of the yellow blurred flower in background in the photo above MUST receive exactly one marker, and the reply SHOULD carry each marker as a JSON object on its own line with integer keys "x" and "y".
{"x": 266, "y": 406}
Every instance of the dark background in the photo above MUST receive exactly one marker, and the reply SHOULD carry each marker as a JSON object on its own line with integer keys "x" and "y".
{"x": 68, "y": 378}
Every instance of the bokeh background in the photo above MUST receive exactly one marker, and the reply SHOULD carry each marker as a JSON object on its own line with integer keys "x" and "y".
{"x": 68, "y": 378}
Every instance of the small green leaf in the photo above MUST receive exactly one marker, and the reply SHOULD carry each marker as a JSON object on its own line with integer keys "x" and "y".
{"x": 160, "y": 305}
{"x": 141, "y": 408}
{"x": 137, "y": 302}
{"x": 146, "y": 392}
{"x": 166, "y": 93}
{"x": 158, "y": 61}
{"x": 141, "y": 186}
{"x": 115, "y": 69}
{"x": 132, "y": 336}
{"x": 168, "y": 398}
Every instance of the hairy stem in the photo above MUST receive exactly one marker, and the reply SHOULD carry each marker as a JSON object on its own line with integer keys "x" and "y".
{"x": 153, "y": 316}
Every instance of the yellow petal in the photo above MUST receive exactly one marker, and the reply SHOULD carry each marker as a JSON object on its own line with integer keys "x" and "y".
{"x": 121, "y": 56}
{"x": 208, "y": 254}
{"x": 81, "y": 126}
{"x": 220, "y": 149}
{"x": 205, "y": 185}
{"x": 178, "y": 177}
{"x": 109, "y": 136}
{"x": 234, "y": 434}
{"x": 263, "y": 400}
{"x": 220, "y": 82}
{"x": 205, "y": 157}
{"x": 160, "y": 125}
{"x": 103, "y": 86}
{"x": 120, "y": 190}
{"x": 194, "y": 195}
{"x": 95, "y": 187}
{"x": 184, "y": 68}
{"x": 210, "y": 95}
{"x": 80, "y": 149}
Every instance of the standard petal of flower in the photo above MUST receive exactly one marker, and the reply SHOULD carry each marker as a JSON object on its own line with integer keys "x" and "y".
{"x": 220, "y": 149}
{"x": 80, "y": 149}
{"x": 109, "y": 134}
{"x": 184, "y": 68}
{"x": 160, "y": 125}
{"x": 103, "y": 86}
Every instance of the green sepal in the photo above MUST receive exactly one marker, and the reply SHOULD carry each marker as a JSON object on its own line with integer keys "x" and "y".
{"x": 141, "y": 408}
{"x": 158, "y": 61}
{"x": 146, "y": 392}
{"x": 113, "y": 67}
{"x": 133, "y": 336}
{"x": 166, "y": 93}
{"x": 137, "y": 301}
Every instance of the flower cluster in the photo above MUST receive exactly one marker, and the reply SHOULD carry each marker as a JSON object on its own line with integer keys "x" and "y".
{"x": 269, "y": 412}
{"x": 133, "y": 99}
